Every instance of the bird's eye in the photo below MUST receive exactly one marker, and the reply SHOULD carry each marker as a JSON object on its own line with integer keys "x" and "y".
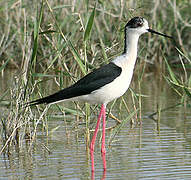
{"x": 139, "y": 23}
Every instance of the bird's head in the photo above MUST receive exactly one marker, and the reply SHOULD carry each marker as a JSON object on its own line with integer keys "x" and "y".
{"x": 140, "y": 26}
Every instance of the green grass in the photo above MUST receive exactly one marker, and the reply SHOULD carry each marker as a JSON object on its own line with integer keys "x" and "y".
{"x": 62, "y": 41}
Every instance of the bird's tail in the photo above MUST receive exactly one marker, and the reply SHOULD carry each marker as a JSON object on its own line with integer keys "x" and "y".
{"x": 62, "y": 95}
{"x": 48, "y": 99}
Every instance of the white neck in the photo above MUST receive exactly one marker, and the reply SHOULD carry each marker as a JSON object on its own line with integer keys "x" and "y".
{"x": 128, "y": 58}
{"x": 131, "y": 42}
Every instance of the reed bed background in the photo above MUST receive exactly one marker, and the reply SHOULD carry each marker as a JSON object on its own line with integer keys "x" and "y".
{"x": 60, "y": 41}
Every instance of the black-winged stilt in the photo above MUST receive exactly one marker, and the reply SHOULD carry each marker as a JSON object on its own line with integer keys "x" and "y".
{"x": 107, "y": 82}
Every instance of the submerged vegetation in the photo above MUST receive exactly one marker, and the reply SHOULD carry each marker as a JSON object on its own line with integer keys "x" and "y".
{"x": 59, "y": 42}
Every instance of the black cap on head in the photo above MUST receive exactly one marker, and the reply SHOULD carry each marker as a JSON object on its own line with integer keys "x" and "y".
{"x": 135, "y": 22}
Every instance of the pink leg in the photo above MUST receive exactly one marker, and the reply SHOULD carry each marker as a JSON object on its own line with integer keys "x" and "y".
{"x": 103, "y": 151}
{"x": 94, "y": 138}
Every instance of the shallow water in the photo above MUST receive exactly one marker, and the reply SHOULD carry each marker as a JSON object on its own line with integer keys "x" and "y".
{"x": 147, "y": 151}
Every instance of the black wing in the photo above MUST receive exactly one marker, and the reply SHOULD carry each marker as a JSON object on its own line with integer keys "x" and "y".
{"x": 89, "y": 83}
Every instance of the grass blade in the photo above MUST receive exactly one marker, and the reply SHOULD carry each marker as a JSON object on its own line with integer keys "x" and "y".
{"x": 77, "y": 58}
{"x": 4, "y": 94}
{"x": 181, "y": 53}
{"x": 118, "y": 128}
{"x": 36, "y": 35}
{"x": 172, "y": 75}
{"x": 187, "y": 92}
{"x": 4, "y": 65}
{"x": 89, "y": 25}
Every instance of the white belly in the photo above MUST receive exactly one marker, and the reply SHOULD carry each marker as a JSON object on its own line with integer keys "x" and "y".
{"x": 109, "y": 92}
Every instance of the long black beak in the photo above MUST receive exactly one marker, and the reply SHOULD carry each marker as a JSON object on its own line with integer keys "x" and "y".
{"x": 154, "y": 32}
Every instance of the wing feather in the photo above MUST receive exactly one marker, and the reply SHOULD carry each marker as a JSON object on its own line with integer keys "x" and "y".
{"x": 89, "y": 83}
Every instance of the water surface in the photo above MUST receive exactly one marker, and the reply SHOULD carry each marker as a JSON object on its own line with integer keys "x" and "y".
{"x": 146, "y": 151}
